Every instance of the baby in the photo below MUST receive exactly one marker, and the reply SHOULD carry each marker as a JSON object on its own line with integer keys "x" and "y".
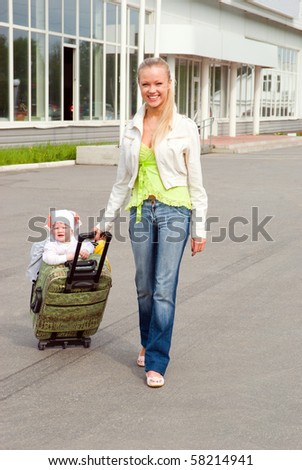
{"x": 62, "y": 243}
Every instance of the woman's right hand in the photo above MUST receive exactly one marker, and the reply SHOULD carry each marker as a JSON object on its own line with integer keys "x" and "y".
{"x": 98, "y": 234}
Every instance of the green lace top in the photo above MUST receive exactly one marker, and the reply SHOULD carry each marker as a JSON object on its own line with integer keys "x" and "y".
{"x": 148, "y": 182}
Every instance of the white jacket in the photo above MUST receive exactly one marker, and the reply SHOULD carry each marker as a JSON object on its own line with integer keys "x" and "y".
{"x": 178, "y": 161}
{"x": 55, "y": 252}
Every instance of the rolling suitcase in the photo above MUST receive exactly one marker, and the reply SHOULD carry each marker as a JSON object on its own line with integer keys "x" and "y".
{"x": 68, "y": 300}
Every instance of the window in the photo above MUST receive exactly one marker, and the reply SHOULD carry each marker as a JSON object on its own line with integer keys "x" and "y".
{"x": 55, "y": 58}
{"x": 4, "y": 11}
{"x": 97, "y": 15}
{"x": 245, "y": 91}
{"x": 84, "y": 80}
{"x": 4, "y": 110}
{"x": 70, "y": 17}
{"x": 85, "y": 18}
{"x": 38, "y": 14}
{"x": 20, "y": 12}
{"x": 111, "y": 22}
{"x": 279, "y": 86}
{"x": 218, "y": 95}
{"x": 37, "y": 76}
{"x": 267, "y": 83}
{"x": 181, "y": 79}
{"x": 132, "y": 95}
{"x": 97, "y": 82}
{"x": 133, "y": 27}
{"x": 21, "y": 74}
{"x": 45, "y": 70}
{"x": 111, "y": 82}
{"x": 55, "y": 16}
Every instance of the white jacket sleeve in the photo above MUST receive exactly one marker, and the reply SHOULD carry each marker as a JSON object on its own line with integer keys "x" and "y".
{"x": 50, "y": 255}
{"x": 119, "y": 193}
{"x": 88, "y": 246}
{"x": 197, "y": 191}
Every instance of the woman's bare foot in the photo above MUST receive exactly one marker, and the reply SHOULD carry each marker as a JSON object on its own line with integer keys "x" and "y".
{"x": 154, "y": 379}
{"x": 141, "y": 358}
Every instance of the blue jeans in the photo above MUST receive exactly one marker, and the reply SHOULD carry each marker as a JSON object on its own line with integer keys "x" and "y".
{"x": 158, "y": 243}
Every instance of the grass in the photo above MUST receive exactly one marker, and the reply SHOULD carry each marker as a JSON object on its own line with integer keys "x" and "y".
{"x": 39, "y": 154}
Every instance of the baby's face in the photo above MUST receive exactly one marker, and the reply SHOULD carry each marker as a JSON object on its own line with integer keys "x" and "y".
{"x": 61, "y": 232}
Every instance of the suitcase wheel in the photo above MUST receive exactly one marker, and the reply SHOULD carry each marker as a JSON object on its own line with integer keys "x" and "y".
{"x": 42, "y": 345}
{"x": 64, "y": 342}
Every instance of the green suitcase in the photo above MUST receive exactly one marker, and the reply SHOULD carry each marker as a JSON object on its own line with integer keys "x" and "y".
{"x": 68, "y": 300}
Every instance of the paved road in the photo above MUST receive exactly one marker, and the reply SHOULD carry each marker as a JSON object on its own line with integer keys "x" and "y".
{"x": 234, "y": 381}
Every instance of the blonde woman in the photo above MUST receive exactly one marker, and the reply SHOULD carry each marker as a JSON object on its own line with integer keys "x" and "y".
{"x": 160, "y": 170}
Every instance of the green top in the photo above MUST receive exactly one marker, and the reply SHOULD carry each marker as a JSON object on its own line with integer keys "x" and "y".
{"x": 148, "y": 182}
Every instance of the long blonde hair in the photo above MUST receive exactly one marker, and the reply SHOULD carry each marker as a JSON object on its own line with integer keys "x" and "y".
{"x": 166, "y": 118}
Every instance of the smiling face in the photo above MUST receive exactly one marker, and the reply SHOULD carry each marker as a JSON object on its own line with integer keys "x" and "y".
{"x": 61, "y": 232}
{"x": 154, "y": 85}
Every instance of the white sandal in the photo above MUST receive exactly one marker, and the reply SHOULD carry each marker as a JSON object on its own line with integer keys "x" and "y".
{"x": 141, "y": 361}
{"x": 155, "y": 381}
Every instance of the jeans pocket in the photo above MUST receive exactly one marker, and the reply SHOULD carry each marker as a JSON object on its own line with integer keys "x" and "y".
{"x": 184, "y": 211}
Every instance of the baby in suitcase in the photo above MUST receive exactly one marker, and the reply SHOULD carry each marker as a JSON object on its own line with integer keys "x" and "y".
{"x": 62, "y": 244}
{"x": 68, "y": 295}
{"x": 54, "y": 250}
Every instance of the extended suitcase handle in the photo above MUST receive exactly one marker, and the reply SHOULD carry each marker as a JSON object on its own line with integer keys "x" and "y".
{"x": 97, "y": 274}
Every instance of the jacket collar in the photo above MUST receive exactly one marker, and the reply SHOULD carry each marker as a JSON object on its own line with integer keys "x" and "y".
{"x": 138, "y": 119}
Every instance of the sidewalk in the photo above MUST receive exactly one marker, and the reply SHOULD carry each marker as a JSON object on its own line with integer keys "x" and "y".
{"x": 234, "y": 380}
{"x": 252, "y": 143}
{"x": 241, "y": 144}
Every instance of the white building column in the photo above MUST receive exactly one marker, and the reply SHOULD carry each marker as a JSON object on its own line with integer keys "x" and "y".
{"x": 123, "y": 72}
{"x": 157, "y": 28}
{"x": 257, "y": 93}
{"x": 233, "y": 100}
{"x": 171, "y": 62}
{"x": 141, "y": 41}
{"x": 205, "y": 84}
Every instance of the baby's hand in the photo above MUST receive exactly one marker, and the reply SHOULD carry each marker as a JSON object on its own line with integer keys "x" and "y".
{"x": 84, "y": 254}
{"x": 70, "y": 256}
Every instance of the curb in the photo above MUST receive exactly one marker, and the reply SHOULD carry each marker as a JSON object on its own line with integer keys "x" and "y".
{"x": 249, "y": 147}
{"x": 33, "y": 166}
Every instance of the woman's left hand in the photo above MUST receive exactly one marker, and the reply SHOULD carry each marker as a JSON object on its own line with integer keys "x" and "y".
{"x": 197, "y": 245}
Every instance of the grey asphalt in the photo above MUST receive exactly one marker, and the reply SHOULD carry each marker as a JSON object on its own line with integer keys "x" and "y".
{"x": 234, "y": 380}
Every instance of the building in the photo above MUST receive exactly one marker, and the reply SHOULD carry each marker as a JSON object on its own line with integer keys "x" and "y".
{"x": 71, "y": 64}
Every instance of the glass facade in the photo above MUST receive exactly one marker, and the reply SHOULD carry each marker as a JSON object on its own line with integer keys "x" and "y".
{"x": 65, "y": 60}
{"x": 60, "y": 61}
{"x": 278, "y": 89}
{"x": 279, "y": 86}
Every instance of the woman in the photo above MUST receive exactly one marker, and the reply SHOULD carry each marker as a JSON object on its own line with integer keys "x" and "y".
{"x": 160, "y": 166}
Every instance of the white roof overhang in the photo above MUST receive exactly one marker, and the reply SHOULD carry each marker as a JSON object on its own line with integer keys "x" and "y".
{"x": 203, "y": 41}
